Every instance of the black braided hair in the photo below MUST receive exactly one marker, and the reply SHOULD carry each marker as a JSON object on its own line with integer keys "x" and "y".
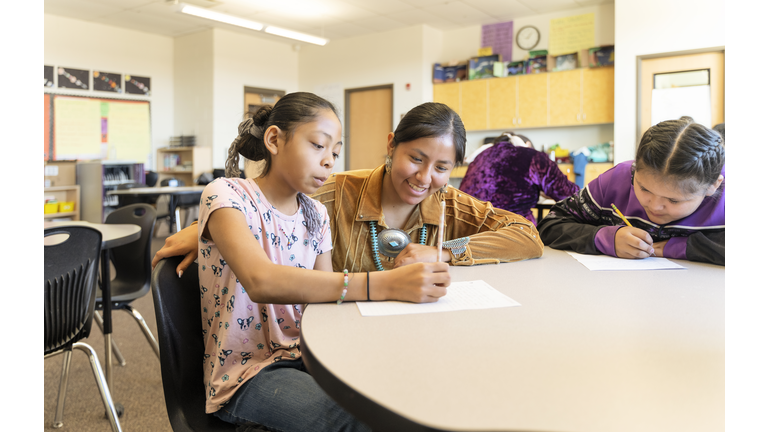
{"x": 287, "y": 114}
{"x": 688, "y": 151}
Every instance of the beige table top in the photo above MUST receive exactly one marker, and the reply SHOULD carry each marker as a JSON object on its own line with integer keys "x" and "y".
{"x": 112, "y": 235}
{"x": 178, "y": 190}
{"x": 587, "y": 351}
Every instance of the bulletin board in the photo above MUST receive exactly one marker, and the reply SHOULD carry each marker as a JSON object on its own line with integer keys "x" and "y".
{"x": 100, "y": 128}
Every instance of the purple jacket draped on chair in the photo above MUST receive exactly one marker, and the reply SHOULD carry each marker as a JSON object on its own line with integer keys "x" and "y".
{"x": 511, "y": 178}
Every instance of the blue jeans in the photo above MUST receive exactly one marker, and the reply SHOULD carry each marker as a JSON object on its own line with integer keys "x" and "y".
{"x": 284, "y": 397}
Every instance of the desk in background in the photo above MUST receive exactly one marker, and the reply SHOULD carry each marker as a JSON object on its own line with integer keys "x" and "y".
{"x": 173, "y": 197}
{"x": 586, "y": 351}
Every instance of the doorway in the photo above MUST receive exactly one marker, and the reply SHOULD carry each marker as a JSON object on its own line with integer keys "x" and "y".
{"x": 680, "y": 84}
{"x": 254, "y": 98}
{"x": 368, "y": 120}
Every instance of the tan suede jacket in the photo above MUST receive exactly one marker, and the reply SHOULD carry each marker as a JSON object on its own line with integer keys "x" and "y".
{"x": 353, "y": 198}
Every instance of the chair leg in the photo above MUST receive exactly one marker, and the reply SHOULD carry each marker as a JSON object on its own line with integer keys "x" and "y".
{"x": 178, "y": 220}
{"x": 115, "y": 350}
{"x": 58, "y": 419}
{"x": 144, "y": 328}
{"x": 106, "y": 396}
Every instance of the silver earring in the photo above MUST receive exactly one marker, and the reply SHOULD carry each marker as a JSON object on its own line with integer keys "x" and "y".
{"x": 387, "y": 164}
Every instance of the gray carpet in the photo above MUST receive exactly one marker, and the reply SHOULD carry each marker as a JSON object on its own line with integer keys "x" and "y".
{"x": 137, "y": 385}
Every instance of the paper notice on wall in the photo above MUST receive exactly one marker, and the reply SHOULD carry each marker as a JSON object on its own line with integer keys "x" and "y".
{"x": 498, "y": 37}
{"x": 129, "y": 134}
{"x": 77, "y": 128}
{"x": 673, "y": 103}
{"x": 571, "y": 34}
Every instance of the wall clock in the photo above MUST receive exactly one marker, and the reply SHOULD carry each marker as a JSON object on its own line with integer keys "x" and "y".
{"x": 527, "y": 37}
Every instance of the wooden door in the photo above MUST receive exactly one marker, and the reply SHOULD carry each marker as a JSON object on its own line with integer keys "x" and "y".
{"x": 474, "y": 104}
{"x": 532, "y": 100}
{"x": 597, "y": 97}
{"x": 368, "y": 121}
{"x": 502, "y": 103}
{"x": 449, "y": 94}
{"x": 565, "y": 98}
{"x": 714, "y": 62}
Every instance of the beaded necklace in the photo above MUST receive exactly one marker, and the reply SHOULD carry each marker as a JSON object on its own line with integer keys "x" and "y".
{"x": 375, "y": 243}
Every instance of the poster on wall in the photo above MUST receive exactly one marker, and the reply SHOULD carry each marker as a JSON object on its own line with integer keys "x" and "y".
{"x": 48, "y": 80}
{"x": 499, "y": 37}
{"x": 137, "y": 85}
{"x": 107, "y": 82}
{"x": 73, "y": 78}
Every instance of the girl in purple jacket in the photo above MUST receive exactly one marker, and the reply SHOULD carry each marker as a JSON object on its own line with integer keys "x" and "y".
{"x": 673, "y": 195}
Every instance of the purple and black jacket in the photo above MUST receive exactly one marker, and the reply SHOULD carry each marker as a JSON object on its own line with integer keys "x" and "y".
{"x": 586, "y": 223}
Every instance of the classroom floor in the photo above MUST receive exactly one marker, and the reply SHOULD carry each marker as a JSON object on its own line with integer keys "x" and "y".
{"x": 137, "y": 385}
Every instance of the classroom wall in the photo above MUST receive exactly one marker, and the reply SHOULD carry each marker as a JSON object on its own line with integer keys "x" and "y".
{"x": 193, "y": 82}
{"x": 655, "y": 27}
{"x": 395, "y": 57}
{"x": 85, "y": 45}
{"x": 461, "y": 44}
{"x": 240, "y": 60}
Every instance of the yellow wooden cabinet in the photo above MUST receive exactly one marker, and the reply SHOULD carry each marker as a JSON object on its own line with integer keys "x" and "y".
{"x": 474, "y": 104}
{"x": 597, "y": 105}
{"x": 565, "y": 92}
{"x": 568, "y": 98}
{"x": 532, "y": 100}
{"x": 502, "y": 102}
{"x": 448, "y": 94}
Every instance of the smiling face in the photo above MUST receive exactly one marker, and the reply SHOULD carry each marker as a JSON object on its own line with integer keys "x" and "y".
{"x": 420, "y": 167}
{"x": 663, "y": 200}
{"x": 305, "y": 161}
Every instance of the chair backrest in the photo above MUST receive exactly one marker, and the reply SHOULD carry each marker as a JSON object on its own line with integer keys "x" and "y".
{"x": 174, "y": 182}
{"x": 150, "y": 177}
{"x": 71, "y": 267}
{"x": 179, "y": 331}
{"x": 133, "y": 261}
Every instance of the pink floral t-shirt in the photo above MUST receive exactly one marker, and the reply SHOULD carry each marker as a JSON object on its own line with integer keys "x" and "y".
{"x": 242, "y": 337}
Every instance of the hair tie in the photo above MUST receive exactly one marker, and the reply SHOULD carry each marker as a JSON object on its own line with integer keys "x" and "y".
{"x": 246, "y": 126}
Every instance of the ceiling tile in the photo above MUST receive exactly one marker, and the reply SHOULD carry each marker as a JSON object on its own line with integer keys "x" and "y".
{"x": 349, "y": 29}
{"x": 459, "y": 13}
{"x": 381, "y": 23}
{"x": 381, "y": 7}
{"x": 79, "y": 9}
{"x": 149, "y": 23}
{"x": 544, "y": 6}
{"x": 496, "y": 8}
{"x": 419, "y": 16}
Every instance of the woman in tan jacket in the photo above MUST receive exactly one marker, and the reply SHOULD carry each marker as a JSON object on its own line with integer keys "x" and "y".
{"x": 388, "y": 217}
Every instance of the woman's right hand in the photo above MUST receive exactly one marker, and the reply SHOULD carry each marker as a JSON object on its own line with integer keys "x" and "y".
{"x": 416, "y": 283}
{"x": 183, "y": 242}
{"x": 633, "y": 243}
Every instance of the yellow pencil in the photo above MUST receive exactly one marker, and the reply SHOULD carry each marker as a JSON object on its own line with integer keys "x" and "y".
{"x": 621, "y": 215}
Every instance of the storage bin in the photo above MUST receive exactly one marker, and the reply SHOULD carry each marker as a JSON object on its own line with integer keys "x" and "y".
{"x": 66, "y": 206}
{"x": 51, "y": 208}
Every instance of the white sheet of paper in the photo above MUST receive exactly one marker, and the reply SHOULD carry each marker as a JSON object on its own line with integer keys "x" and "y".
{"x": 673, "y": 103}
{"x": 605, "y": 262}
{"x": 461, "y": 296}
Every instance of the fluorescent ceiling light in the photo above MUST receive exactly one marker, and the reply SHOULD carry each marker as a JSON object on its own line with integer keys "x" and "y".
{"x": 216, "y": 16}
{"x": 277, "y": 31}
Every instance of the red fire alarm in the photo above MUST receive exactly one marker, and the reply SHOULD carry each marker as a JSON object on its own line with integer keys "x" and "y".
{"x": 408, "y": 86}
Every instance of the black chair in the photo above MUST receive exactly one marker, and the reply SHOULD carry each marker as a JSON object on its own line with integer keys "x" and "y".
{"x": 187, "y": 203}
{"x": 179, "y": 329}
{"x": 71, "y": 266}
{"x": 133, "y": 270}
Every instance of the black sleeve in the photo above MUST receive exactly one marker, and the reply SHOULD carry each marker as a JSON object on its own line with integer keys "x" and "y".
{"x": 708, "y": 247}
{"x": 572, "y": 224}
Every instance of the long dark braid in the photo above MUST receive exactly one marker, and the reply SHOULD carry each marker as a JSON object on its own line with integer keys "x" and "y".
{"x": 290, "y": 111}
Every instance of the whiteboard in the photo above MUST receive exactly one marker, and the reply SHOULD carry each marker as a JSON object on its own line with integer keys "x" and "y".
{"x": 98, "y": 128}
{"x": 673, "y": 103}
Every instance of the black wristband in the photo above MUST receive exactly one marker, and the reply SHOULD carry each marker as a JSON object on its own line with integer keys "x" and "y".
{"x": 368, "y": 285}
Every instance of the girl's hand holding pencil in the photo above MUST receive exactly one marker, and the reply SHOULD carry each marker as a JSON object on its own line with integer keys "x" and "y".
{"x": 631, "y": 242}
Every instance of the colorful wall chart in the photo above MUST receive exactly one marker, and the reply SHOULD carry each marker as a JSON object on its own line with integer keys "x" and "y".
{"x": 108, "y": 82}
{"x": 73, "y": 78}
